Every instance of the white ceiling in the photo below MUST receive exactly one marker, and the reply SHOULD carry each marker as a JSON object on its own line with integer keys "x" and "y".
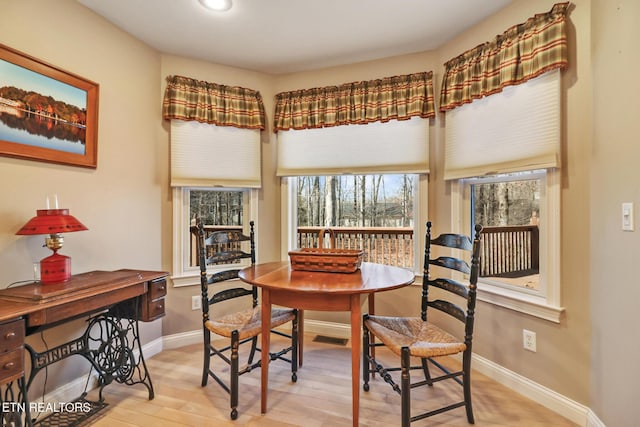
{"x": 280, "y": 36}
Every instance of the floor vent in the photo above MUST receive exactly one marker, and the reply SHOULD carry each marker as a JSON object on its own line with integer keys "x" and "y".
{"x": 330, "y": 340}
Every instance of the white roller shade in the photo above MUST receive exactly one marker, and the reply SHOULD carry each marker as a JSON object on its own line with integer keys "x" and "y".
{"x": 204, "y": 155}
{"x": 391, "y": 147}
{"x": 514, "y": 130}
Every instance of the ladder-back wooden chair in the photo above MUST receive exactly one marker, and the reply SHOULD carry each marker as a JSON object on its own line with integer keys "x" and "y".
{"x": 417, "y": 337}
{"x": 240, "y": 327}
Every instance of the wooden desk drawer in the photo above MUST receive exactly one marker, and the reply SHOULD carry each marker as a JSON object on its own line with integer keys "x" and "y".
{"x": 153, "y": 301}
{"x": 11, "y": 365}
{"x": 153, "y": 310}
{"x": 11, "y": 335}
{"x": 150, "y": 305}
{"x": 157, "y": 289}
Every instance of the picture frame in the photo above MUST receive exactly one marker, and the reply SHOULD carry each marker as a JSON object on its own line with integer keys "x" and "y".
{"x": 46, "y": 113}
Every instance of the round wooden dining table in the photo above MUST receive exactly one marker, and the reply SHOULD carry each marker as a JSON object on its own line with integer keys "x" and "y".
{"x": 322, "y": 291}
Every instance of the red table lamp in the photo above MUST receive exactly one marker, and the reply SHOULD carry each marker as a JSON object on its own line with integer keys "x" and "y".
{"x": 55, "y": 268}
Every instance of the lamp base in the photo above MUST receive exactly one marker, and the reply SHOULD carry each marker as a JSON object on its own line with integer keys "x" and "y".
{"x": 55, "y": 269}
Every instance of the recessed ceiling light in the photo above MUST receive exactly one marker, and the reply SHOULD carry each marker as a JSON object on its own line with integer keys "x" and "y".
{"x": 217, "y": 5}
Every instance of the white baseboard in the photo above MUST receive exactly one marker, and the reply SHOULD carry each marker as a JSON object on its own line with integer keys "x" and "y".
{"x": 558, "y": 403}
{"x": 74, "y": 389}
{"x": 69, "y": 391}
{"x": 182, "y": 339}
{"x": 327, "y": 329}
{"x": 576, "y": 412}
{"x": 548, "y": 398}
{"x": 151, "y": 348}
{"x": 593, "y": 420}
{"x": 318, "y": 327}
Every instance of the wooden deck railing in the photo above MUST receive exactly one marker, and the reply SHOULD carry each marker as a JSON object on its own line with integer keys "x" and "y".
{"x": 393, "y": 246}
{"x": 510, "y": 251}
{"x": 208, "y": 229}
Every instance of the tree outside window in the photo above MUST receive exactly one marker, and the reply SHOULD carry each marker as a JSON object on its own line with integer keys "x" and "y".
{"x": 216, "y": 208}
{"x": 370, "y": 212}
{"x": 508, "y": 208}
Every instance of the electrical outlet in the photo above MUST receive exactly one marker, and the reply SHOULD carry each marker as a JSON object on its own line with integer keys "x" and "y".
{"x": 196, "y": 302}
{"x": 529, "y": 340}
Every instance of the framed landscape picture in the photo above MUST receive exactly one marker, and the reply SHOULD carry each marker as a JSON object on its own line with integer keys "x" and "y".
{"x": 46, "y": 114}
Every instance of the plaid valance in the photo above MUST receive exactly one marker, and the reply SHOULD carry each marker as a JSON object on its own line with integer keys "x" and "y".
{"x": 389, "y": 98}
{"x": 521, "y": 53}
{"x": 189, "y": 99}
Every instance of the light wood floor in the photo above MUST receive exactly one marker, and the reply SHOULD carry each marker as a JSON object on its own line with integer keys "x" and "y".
{"x": 320, "y": 398}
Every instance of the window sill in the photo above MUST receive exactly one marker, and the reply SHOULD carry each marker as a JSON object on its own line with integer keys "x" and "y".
{"x": 517, "y": 301}
{"x": 192, "y": 278}
{"x": 185, "y": 280}
{"x": 532, "y": 305}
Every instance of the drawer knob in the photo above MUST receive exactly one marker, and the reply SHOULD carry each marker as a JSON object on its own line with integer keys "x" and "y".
{"x": 9, "y": 335}
{"x": 161, "y": 287}
{"x": 8, "y": 366}
{"x": 160, "y": 307}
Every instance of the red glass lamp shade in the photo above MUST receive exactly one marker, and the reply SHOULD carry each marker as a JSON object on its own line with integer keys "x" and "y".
{"x": 55, "y": 268}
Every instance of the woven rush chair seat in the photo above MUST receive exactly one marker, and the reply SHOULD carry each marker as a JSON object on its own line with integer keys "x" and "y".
{"x": 247, "y": 322}
{"x": 454, "y": 277}
{"x": 226, "y": 250}
{"x": 422, "y": 338}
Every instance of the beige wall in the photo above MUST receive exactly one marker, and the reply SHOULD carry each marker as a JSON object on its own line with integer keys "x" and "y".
{"x": 557, "y": 365}
{"x": 180, "y": 318}
{"x": 614, "y": 178}
{"x": 120, "y": 201}
{"x": 562, "y": 360}
{"x": 579, "y": 358}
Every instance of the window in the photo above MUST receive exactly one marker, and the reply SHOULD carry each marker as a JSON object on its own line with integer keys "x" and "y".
{"x": 508, "y": 208}
{"x": 520, "y": 241}
{"x": 374, "y": 212}
{"x": 374, "y": 130}
{"x": 215, "y": 161}
{"x": 502, "y": 154}
{"x": 220, "y": 209}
